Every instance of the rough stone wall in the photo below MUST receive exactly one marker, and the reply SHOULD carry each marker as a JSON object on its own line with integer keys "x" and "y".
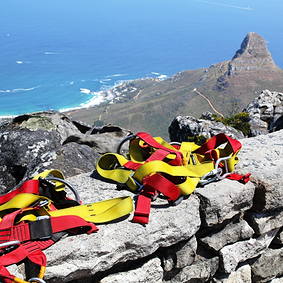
{"x": 183, "y": 127}
{"x": 266, "y": 113}
{"x": 223, "y": 232}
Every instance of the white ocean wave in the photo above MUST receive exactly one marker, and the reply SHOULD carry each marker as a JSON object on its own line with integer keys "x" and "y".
{"x": 159, "y": 76}
{"x": 162, "y": 77}
{"x": 116, "y": 75}
{"x": 52, "y": 53}
{"x": 85, "y": 90}
{"x": 106, "y": 87}
{"x": 15, "y": 90}
{"x": 22, "y": 62}
{"x": 104, "y": 81}
{"x": 120, "y": 82}
{"x": 8, "y": 116}
{"x": 95, "y": 100}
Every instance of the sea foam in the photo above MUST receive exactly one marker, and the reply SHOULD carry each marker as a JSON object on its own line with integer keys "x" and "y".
{"x": 15, "y": 90}
{"x": 85, "y": 90}
{"x": 116, "y": 75}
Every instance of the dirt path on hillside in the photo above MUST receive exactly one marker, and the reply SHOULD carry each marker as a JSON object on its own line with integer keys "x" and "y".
{"x": 202, "y": 95}
{"x": 136, "y": 97}
{"x": 106, "y": 112}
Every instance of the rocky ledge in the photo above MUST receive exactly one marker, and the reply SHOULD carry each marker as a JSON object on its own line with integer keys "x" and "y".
{"x": 265, "y": 116}
{"x": 223, "y": 232}
{"x": 266, "y": 113}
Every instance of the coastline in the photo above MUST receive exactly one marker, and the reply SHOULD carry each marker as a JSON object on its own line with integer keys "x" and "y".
{"x": 110, "y": 95}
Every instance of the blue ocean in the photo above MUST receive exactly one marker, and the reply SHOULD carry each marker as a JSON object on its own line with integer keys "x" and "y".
{"x": 60, "y": 54}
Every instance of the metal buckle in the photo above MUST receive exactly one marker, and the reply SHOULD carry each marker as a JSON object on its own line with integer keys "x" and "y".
{"x": 217, "y": 173}
{"x": 36, "y": 279}
{"x": 9, "y": 246}
{"x": 137, "y": 183}
{"x": 209, "y": 177}
{"x": 42, "y": 217}
{"x": 10, "y": 243}
{"x": 43, "y": 203}
{"x": 221, "y": 175}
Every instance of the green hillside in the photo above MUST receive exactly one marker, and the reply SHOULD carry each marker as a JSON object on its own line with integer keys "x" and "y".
{"x": 150, "y": 104}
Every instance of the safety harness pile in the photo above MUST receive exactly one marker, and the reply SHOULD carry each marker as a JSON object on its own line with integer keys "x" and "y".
{"x": 39, "y": 213}
{"x": 154, "y": 167}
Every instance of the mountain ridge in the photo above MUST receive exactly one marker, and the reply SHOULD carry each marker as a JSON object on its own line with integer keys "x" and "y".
{"x": 151, "y": 104}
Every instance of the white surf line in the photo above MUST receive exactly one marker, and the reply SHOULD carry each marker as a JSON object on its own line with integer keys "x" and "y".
{"x": 227, "y": 5}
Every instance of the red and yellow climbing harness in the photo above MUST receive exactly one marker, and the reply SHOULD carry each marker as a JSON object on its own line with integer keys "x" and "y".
{"x": 38, "y": 213}
{"x": 153, "y": 166}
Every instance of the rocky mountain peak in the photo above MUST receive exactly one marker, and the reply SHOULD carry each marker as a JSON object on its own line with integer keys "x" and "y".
{"x": 252, "y": 56}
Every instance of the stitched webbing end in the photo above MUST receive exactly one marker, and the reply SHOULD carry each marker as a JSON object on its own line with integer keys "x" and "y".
{"x": 141, "y": 217}
{"x": 140, "y": 213}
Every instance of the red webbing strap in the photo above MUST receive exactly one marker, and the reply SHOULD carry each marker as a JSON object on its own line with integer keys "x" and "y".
{"x": 132, "y": 165}
{"x": 31, "y": 250}
{"x": 162, "y": 185}
{"x": 70, "y": 222}
{"x": 160, "y": 154}
{"x": 142, "y": 211}
{"x": 35, "y": 253}
{"x": 242, "y": 179}
{"x": 152, "y": 142}
{"x": 5, "y": 275}
{"x": 153, "y": 184}
{"x": 30, "y": 187}
{"x": 8, "y": 220}
{"x": 9, "y": 233}
{"x": 208, "y": 147}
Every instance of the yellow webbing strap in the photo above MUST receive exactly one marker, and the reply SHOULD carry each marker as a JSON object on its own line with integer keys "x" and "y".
{"x": 99, "y": 212}
{"x": 110, "y": 166}
{"x": 20, "y": 201}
